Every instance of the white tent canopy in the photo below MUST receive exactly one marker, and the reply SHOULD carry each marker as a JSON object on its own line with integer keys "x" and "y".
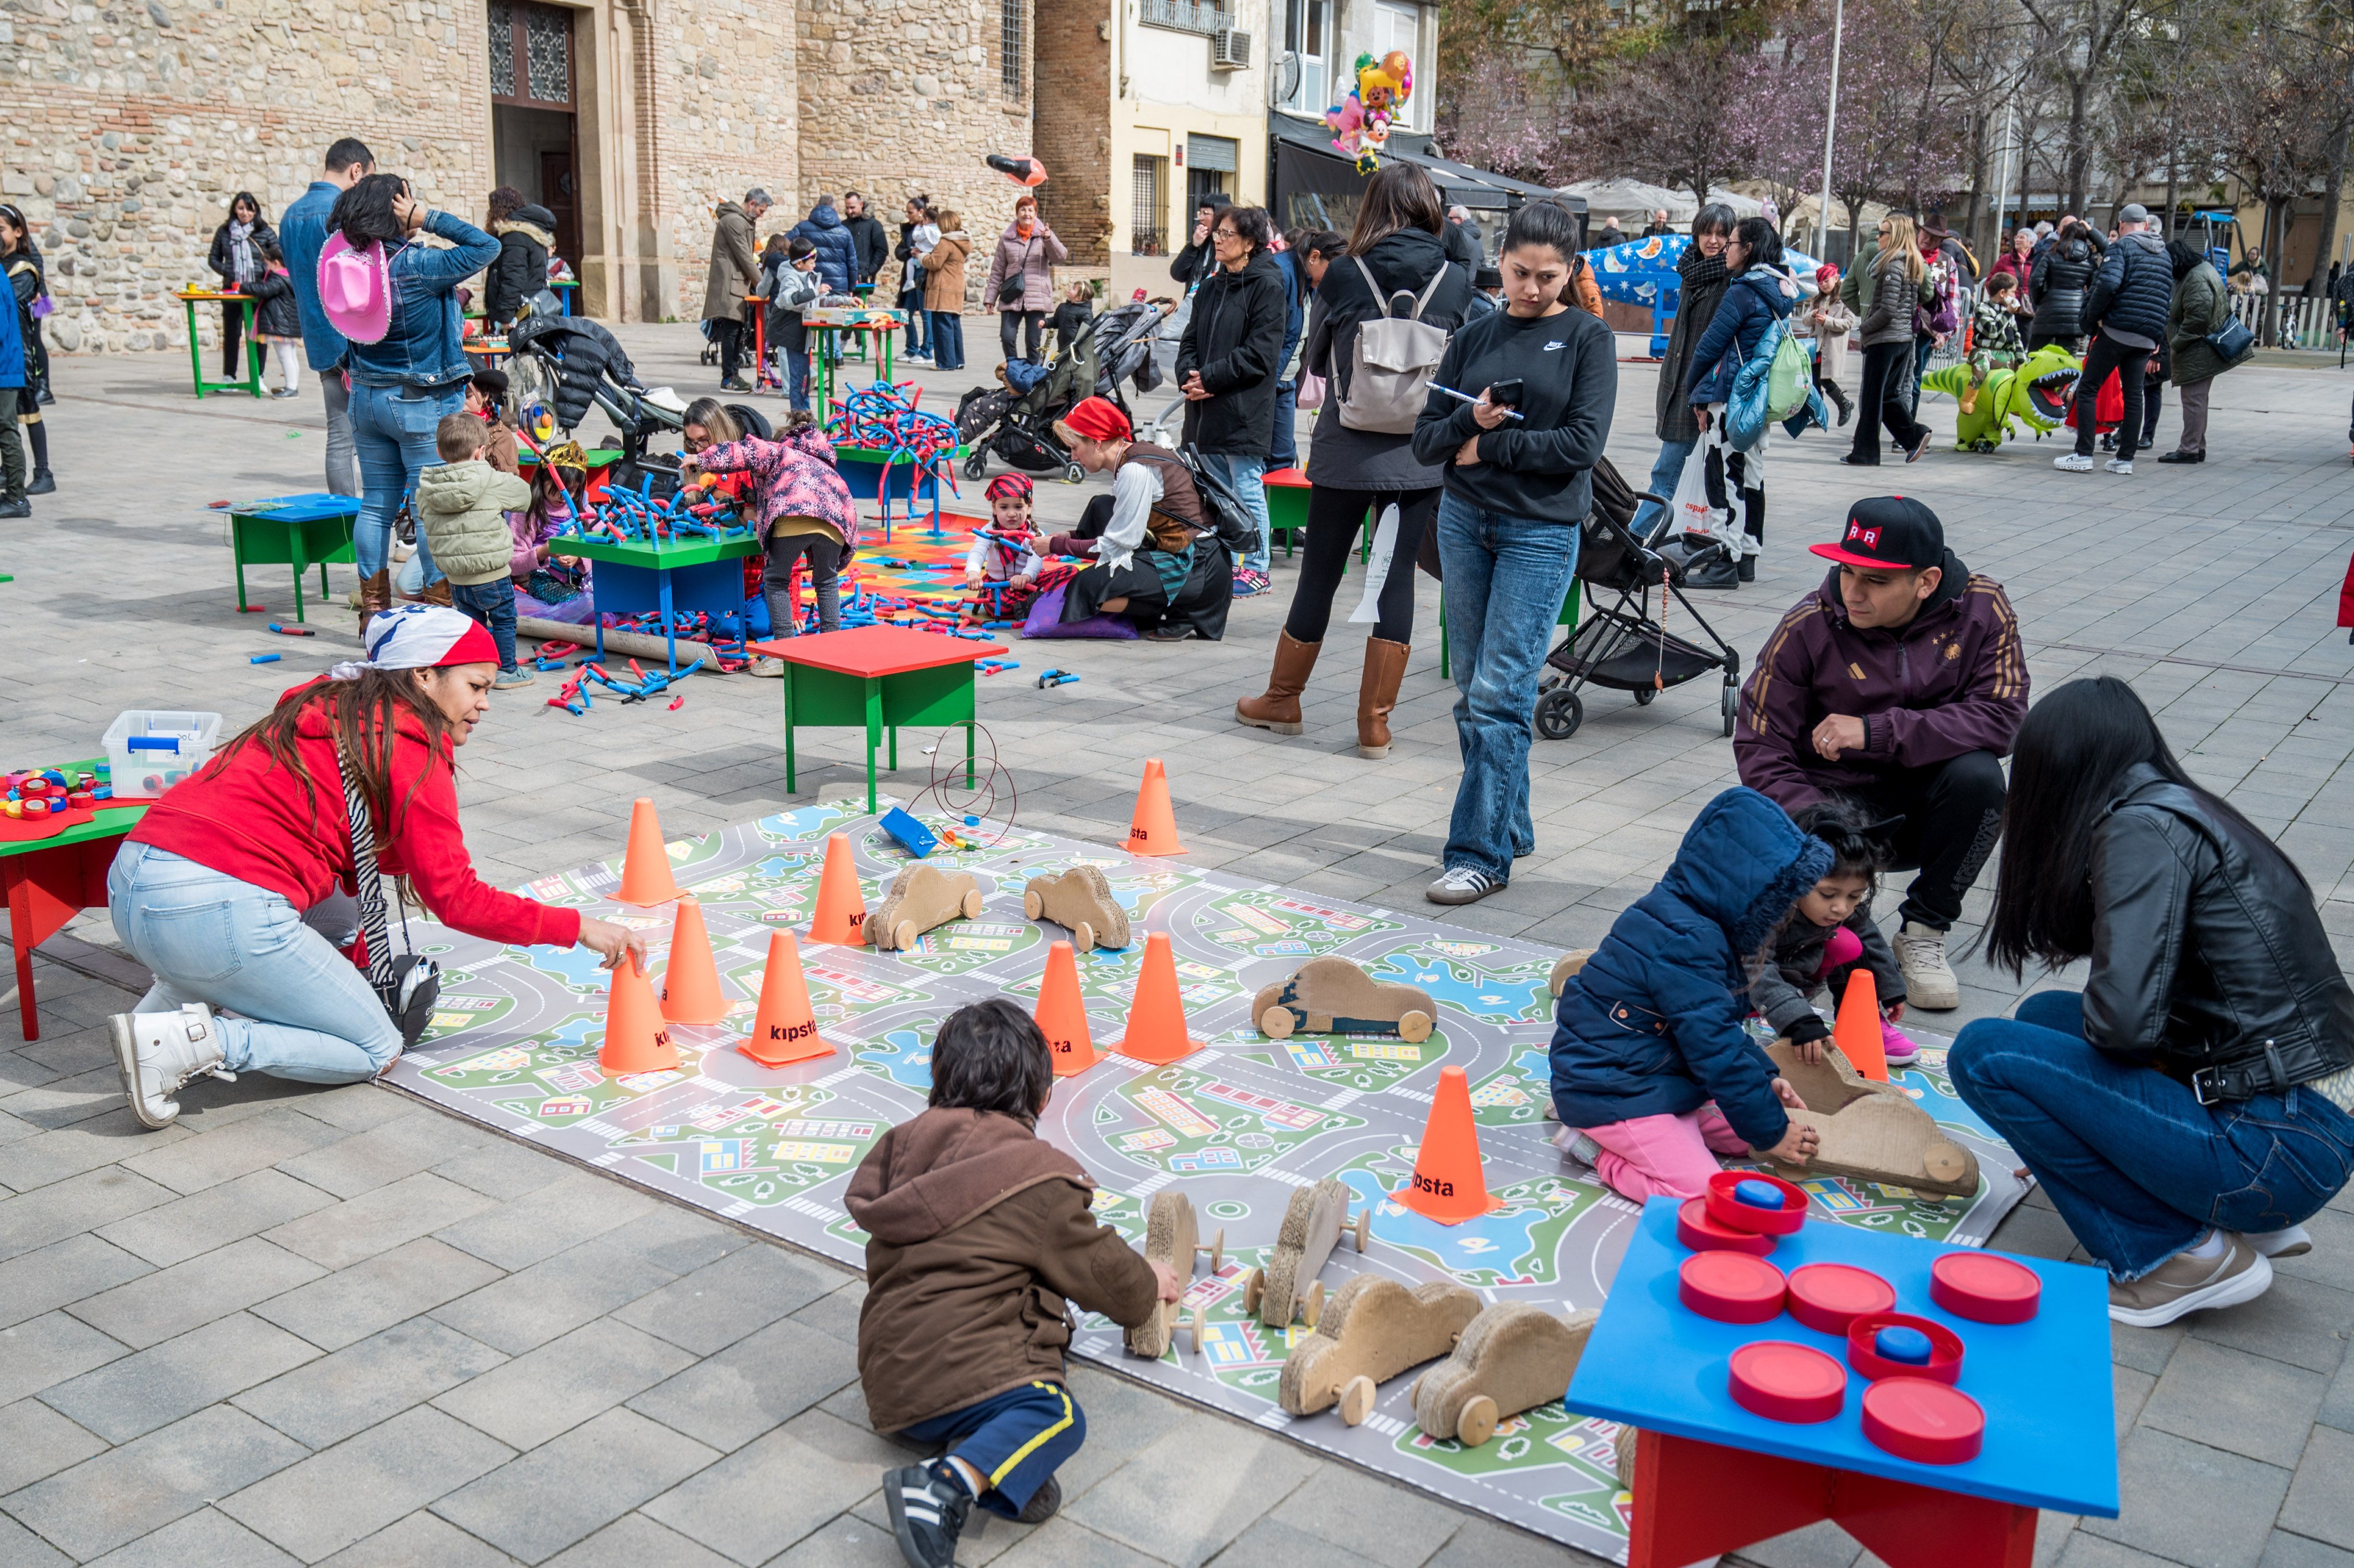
{"x": 1635, "y": 200}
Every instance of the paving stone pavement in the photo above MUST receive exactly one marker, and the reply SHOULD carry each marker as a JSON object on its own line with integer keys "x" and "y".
{"x": 338, "y": 1326}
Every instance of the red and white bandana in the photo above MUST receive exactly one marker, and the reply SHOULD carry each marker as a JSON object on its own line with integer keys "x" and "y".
{"x": 421, "y": 637}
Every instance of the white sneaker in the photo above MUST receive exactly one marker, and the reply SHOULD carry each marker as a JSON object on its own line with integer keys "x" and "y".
{"x": 2119, "y": 465}
{"x": 1462, "y": 884}
{"x": 767, "y": 668}
{"x": 2073, "y": 462}
{"x": 1928, "y": 979}
{"x": 2183, "y": 1283}
{"x": 160, "y": 1051}
{"x": 1579, "y": 1145}
{"x": 2294, "y": 1241}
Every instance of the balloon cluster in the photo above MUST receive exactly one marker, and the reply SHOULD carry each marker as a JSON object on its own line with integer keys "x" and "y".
{"x": 1360, "y": 121}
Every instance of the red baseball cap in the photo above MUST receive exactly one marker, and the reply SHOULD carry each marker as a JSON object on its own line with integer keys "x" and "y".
{"x": 1892, "y": 533}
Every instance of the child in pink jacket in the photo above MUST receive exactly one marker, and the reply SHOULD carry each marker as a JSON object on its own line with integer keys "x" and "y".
{"x": 802, "y": 508}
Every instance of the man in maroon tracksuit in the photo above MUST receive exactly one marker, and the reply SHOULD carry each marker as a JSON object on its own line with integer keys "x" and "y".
{"x": 1899, "y": 683}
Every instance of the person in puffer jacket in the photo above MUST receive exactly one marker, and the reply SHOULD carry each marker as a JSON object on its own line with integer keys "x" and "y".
{"x": 1761, "y": 294}
{"x": 2056, "y": 289}
{"x": 2126, "y": 311}
{"x": 526, "y": 233}
{"x": 1653, "y": 1074}
{"x": 462, "y": 507}
{"x": 802, "y": 506}
{"x": 837, "y": 247}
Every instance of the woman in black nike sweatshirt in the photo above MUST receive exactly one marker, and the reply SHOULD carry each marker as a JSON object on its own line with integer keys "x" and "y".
{"x": 1517, "y": 490}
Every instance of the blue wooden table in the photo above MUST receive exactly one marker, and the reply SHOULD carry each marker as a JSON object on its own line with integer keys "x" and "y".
{"x": 297, "y": 530}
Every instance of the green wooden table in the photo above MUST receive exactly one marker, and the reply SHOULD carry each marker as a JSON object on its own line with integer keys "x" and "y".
{"x": 692, "y": 576}
{"x": 49, "y": 881}
{"x": 191, "y": 298}
{"x": 297, "y": 530}
{"x": 1287, "y": 492}
{"x": 876, "y": 678}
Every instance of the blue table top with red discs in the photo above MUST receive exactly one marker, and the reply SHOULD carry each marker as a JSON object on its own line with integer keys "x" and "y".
{"x": 2042, "y": 1385}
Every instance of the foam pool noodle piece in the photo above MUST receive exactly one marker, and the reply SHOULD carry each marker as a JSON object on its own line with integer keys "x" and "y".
{"x": 784, "y": 1028}
{"x": 646, "y": 878}
{"x": 691, "y": 992}
{"x": 1062, "y": 1014}
{"x": 1858, "y": 1028}
{"x": 1449, "y": 1183}
{"x": 840, "y": 917}
{"x": 636, "y": 1040}
{"x": 1156, "y": 1018}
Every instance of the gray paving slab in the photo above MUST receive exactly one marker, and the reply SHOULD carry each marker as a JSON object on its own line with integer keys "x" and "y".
{"x": 352, "y": 1303}
{"x": 721, "y": 1302}
{"x": 530, "y": 1399}
{"x": 179, "y": 1377}
{"x": 237, "y": 1207}
{"x": 543, "y": 1501}
{"x": 207, "y": 1537}
{"x": 754, "y": 1386}
{"x": 155, "y": 1307}
{"x": 36, "y": 1442}
{"x": 325, "y": 1401}
{"x": 130, "y": 1492}
{"x": 533, "y": 1305}
{"x": 346, "y": 1493}
{"x": 420, "y": 1539}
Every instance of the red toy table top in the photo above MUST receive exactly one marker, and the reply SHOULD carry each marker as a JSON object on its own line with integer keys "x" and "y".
{"x": 872, "y": 650}
{"x": 1289, "y": 478}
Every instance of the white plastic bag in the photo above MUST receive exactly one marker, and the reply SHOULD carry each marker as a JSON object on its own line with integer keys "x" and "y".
{"x": 1377, "y": 568}
{"x": 1693, "y": 513}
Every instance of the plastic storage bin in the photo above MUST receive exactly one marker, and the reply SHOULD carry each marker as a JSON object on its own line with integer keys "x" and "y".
{"x": 148, "y": 752}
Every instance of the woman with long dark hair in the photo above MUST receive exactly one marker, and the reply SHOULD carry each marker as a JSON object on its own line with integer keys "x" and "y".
{"x": 235, "y": 258}
{"x": 1702, "y": 276}
{"x": 1396, "y": 250}
{"x": 212, "y": 888}
{"x": 1761, "y": 294}
{"x": 2194, "y": 1103}
{"x": 29, "y": 286}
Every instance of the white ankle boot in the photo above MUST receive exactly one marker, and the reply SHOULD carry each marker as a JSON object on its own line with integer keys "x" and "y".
{"x": 159, "y": 1052}
{"x": 1929, "y": 981}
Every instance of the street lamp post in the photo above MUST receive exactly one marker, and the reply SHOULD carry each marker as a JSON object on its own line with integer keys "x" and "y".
{"x": 1830, "y": 123}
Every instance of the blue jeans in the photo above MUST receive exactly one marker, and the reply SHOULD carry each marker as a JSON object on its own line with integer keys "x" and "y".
{"x": 912, "y": 301}
{"x": 1015, "y": 1439}
{"x": 797, "y": 378}
{"x": 392, "y": 429}
{"x": 305, "y": 1013}
{"x": 2135, "y": 1164}
{"x": 1286, "y": 451}
{"x": 494, "y": 604}
{"x": 1246, "y": 476}
{"x": 1506, "y": 579}
{"x": 948, "y": 341}
{"x": 1665, "y": 472}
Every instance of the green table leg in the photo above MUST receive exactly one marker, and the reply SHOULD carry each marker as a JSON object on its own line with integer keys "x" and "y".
{"x": 968, "y": 752}
{"x": 895, "y": 748}
{"x": 253, "y": 349}
{"x": 300, "y": 565}
{"x": 874, "y": 733}
{"x": 885, "y": 337}
{"x": 196, "y": 371}
{"x": 325, "y": 588}
{"x": 237, "y": 552}
{"x": 792, "y": 675}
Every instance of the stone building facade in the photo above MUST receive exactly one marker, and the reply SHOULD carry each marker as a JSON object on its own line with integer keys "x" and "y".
{"x": 127, "y": 125}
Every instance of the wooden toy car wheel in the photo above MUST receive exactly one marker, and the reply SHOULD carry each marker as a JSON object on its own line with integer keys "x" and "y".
{"x": 1414, "y": 1027}
{"x": 1031, "y": 905}
{"x": 1477, "y": 1422}
{"x": 1253, "y": 1290}
{"x": 972, "y": 905}
{"x": 1362, "y": 1227}
{"x": 903, "y": 935}
{"x": 1357, "y": 1400}
{"x": 1275, "y": 1024}
{"x": 1194, "y": 1325}
{"x": 1216, "y": 1249}
{"x": 1082, "y": 936}
{"x": 1944, "y": 1162}
{"x": 1313, "y": 1308}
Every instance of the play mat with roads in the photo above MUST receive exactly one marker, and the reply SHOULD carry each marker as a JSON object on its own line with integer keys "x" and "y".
{"x": 1239, "y": 1124}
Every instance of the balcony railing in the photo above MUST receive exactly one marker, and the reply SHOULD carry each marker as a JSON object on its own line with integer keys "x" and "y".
{"x": 1183, "y": 17}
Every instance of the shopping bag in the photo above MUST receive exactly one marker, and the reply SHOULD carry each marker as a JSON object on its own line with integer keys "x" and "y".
{"x": 1693, "y": 513}
{"x": 1377, "y": 568}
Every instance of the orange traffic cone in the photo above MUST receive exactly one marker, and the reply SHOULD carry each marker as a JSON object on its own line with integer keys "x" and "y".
{"x": 1856, "y": 1032}
{"x": 1154, "y": 829}
{"x": 1449, "y": 1184}
{"x": 841, "y": 917}
{"x": 784, "y": 1029}
{"x": 645, "y": 870}
{"x": 1062, "y": 1014}
{"x": 1156, "y": 1017}
{"x": 690, "y": 992}
{"x": 636, "y": 1040}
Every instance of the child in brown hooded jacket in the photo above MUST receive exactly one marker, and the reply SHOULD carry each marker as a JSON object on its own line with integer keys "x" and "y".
{"x": 980, "y": 1232}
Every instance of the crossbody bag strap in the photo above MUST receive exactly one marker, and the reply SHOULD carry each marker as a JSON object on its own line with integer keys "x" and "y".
{"x": 366, "y": 876}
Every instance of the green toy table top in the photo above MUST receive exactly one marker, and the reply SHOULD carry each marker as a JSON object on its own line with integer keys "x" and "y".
{"x": 111, "y": 822}
{"x": 631, "y": 553}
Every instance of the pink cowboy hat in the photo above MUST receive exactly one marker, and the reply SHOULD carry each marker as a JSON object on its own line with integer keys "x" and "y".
{"x": 354, "y": 289}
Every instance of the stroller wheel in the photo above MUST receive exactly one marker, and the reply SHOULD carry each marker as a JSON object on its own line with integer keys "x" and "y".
{"x": 1073, "y": 473}
{"x": 1558, "y": 714}
{"x": 1730, "y": 703}
{"x": 1643, "y": 696}
{"x": 976, "y": 465}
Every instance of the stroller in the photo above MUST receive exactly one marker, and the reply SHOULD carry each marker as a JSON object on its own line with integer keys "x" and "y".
{"x": 1019, "y": 426}
{"x": 570, "y": 364}
{"x": 1621, "y": 646}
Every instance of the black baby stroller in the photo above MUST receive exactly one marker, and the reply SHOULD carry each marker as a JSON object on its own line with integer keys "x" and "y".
{"x": 1019, "y": 426}
{"x": 569, "y": 365}
{"x": 1621, "y": 646}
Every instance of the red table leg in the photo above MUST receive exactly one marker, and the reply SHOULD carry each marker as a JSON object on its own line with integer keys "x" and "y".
{"x": 1695, "y": 1499}
{"x": 45, "y": 888}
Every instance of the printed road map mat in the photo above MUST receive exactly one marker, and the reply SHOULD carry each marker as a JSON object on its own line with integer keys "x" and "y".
{"x": 1239, "y": 1124}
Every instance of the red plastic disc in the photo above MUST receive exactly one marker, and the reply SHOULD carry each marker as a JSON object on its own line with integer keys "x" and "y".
{"x": 1913, "y": 1418}
{"x": 1984, "y": 1287}
{"x": 1731, "y": 1286}
{"x": 1783, "y": 1382}
{"x": 1828, "y": 1296}
{"x": 1945, "y": 1347}
{"x": 1697, "y": 1232}
{"x": 1729, "y": 1210}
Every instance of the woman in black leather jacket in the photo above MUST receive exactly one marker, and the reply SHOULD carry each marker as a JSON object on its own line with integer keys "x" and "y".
{"x": 2056, "y": 288}
{"x": 2190, "y": 1107}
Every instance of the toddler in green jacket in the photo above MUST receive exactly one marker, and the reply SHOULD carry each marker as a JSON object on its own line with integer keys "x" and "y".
{"x": 462, "y": 510}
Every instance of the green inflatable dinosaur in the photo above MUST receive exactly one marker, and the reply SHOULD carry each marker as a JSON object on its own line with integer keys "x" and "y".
{"x": 2036, "y": 392}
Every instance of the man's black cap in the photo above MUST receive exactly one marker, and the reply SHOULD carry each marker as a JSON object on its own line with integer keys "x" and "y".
{"x": 1892, "y": 533}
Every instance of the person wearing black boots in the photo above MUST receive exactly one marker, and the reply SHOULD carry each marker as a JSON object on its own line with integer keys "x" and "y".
{"x": 11, "y": 391}
{"x": 21, "y": 259}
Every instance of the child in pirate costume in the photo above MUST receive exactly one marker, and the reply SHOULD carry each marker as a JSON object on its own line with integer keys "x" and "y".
{"x": 1003, "y": 570}
{"x": 1158, "y": 558}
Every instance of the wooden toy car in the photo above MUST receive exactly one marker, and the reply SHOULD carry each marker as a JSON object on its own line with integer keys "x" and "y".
{"x": 1568, "y": 964}
{"x": 1081, "y": 900}
{"x": 921, "y": 898}
{"x": 1171, "y": 1235}
{"x": 1872, "y": 1131}
{"x": 1372, "y": 1329}
{"x": 1313, "y": 1223}
{"x": 1334, "y": 996}
{"x": 1515, "y": 1356}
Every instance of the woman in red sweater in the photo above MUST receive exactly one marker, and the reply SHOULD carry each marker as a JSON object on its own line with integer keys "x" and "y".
{"x": 210, "y": 890}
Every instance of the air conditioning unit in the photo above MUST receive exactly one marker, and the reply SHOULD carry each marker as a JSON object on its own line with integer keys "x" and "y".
{"x": 1230, "y": 50}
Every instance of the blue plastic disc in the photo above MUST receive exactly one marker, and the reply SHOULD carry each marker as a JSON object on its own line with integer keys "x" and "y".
{"x": 1898, "y": 1343}
{"x": 1758, "y": 1194}
{"x": 972, "y": 822}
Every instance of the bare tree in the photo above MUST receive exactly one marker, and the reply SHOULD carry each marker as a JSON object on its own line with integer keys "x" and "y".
{"x": 2075, "y": 46}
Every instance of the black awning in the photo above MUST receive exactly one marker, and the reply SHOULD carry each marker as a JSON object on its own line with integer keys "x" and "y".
{"x": 1307, "y": 166}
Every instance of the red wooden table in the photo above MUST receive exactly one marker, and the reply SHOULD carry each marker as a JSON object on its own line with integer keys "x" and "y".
{"x": 49, "y": 881}
{"x": 879, "y": 678}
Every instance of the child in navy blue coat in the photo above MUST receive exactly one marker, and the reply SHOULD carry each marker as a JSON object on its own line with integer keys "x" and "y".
{"x": 1653, "y": 1075}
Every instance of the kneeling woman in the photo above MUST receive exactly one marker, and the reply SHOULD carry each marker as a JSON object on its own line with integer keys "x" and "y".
{"x": 210, "y": 890}
{"x": 2190, "y": 1107}
{"x": 1159, "y": 561}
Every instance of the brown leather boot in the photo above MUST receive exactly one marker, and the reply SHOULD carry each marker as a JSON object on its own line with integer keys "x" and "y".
{"x": 376, "y": 598}
{"x": 436, "y": 592}
{"x": 1279, "y": 710}
{"x": 1377, "y": 695}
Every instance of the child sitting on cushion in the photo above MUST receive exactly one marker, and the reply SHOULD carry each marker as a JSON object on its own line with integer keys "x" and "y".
{"x": 981, "y": 1231}
{"x": 1007, "y": 553}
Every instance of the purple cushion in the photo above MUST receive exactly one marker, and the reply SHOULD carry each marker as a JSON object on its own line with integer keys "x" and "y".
{"x": 1046, "y": 621}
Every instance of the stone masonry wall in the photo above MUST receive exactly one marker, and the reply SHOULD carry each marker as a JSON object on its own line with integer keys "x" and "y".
{"x": 727, "y": 118}
{"x": 1074, "y": 128}
{"x": 128, "y": 126}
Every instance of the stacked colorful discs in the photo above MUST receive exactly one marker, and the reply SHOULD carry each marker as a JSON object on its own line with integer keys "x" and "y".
{"x": 1828, "y": 1296}
{"x": 1731, "y": 1286}
{"x": 1763, "y": 1205}
{"x": 1783, "y": 1382}
{"x": 1941, "y": 1362}
{"x": 1698, "y": 1230}
{"x": 1927, "y": 1422}
{"x": 1984, "y": 1287}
